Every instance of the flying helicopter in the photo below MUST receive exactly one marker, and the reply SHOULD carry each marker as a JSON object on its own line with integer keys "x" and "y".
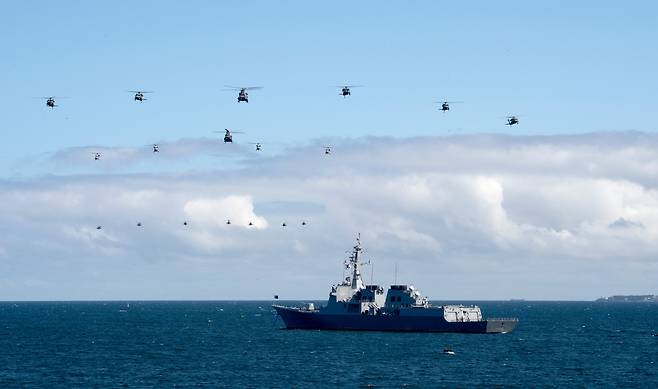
{"x": 512, "y": 120}
{"x": 50, "y": 101}
{"x": 97, "y": 156}
{"x": 228, "y": 135}
{"x": 284, "y": 224}
{"x": 242, "y": 91}
{"x": 445, "y": 105}
{"x": 327, "y": 150}
{"x": 139, "y": 95}
{"x": 303, "y": 223}
{"x": 346, "y": 90}
{"x": 139, "y": 224}
{"x": 185, "y": 223}
{"x": 258, "y": 145}
{"x": 228, "y": 221}
{"x": 99, "y": 227}
{"x": 251, "y": 224}
{"x": 156, "y": 148}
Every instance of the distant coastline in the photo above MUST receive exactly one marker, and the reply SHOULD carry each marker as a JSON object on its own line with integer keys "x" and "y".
{"x": 644, "y": 298}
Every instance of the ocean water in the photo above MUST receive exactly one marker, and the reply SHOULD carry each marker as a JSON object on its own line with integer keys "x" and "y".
{"x": 239, "y": 345}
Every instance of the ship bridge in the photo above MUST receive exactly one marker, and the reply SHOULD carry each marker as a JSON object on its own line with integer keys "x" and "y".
{"x": 353, "y": 295}
{"x": 404, "y": 296}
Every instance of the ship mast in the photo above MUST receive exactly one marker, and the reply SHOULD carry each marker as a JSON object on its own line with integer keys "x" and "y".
{"x": 357, "y": 282}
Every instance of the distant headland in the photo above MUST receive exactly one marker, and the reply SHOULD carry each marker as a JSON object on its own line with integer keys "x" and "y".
{"x": 644, "y": 298}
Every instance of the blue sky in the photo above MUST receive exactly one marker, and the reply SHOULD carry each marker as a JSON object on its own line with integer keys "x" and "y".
{"x": 563, "y": 67}
{"x": 574, "y": 72}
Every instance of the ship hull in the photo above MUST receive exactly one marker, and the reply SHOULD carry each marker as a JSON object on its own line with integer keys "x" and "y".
{"x": 294, "y": 318}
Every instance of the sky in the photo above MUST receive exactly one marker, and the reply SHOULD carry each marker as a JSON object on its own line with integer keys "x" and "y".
{"x": 562, "y": 206}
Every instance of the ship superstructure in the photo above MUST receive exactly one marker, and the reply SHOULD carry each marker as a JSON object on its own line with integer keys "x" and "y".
{"x": 354, "y": 305}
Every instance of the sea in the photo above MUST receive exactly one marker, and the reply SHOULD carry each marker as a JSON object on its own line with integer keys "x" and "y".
{"x": 238, "y": 344}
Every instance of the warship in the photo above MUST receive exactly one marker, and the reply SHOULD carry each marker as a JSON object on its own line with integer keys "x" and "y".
{"x": 355, "y": 306}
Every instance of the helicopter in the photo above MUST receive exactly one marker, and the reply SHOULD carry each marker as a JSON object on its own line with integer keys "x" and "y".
{"x": 303, "y": 223}
{"x": 346, "y": 90}
{"x": 228, "y": 135}
{"x": 156, "y": 148}
{"x": 185, "y": 223}
{"x": 284, "y": 224}
{"x": 50, "y": 101}
{"x": 327, "y": 150}
{"x": 512, "y": 120}
{"x": 228, "y": 221}
{"x": 97, "y": 156}
{"x": 251, "y": 224}
{"x": 243, "y": 95}
{"x": 258, "y": 145}
{"x": 139, "y": 95}
{"x": 139, "y": 224}
{"x": 445, "y": 105}
{"x": 99, "y": 227}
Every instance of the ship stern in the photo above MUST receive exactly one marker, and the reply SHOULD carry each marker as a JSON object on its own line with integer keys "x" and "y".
{"x": 501, "y": 326}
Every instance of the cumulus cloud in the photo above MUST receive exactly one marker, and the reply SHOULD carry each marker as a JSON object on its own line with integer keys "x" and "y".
{"x": 213, "y": 212}
{"x": 477, "y": 216}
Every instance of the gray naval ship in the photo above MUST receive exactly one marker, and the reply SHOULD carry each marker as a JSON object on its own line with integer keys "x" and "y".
{"x": 353, "y": 305}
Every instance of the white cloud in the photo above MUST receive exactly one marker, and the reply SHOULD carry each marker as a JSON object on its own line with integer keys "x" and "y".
{"x": 210, "y": 218}
{"x": 215, "y": 212}
{"x": 509, "y": 212}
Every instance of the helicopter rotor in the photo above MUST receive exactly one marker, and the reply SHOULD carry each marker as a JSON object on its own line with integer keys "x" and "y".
{"x": 240, "y": 88}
